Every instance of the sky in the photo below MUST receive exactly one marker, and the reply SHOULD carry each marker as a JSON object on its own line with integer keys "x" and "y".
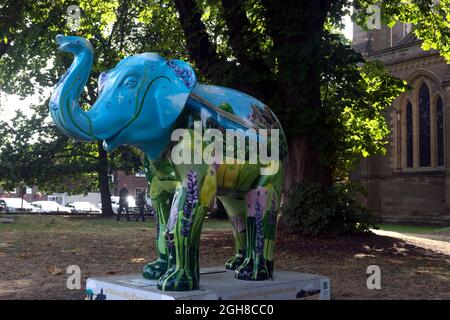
{"x": 10, "y": 103}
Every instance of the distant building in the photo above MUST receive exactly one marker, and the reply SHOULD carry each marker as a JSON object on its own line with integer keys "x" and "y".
{"x": 31, "y": 194}
{"x": 135, "y": 183}
{"x": 412, "y": 182}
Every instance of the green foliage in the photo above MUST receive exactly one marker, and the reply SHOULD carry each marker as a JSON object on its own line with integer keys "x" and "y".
{"x": 32, "y": 149}
{"x": 283, "y": 52}
{"x": 364, "y": 115}
{"x": 36, "y": 153}
{"x": 311, "y": 210}
{"x": 356, "y": 97}
{"x": 431, "y": 19}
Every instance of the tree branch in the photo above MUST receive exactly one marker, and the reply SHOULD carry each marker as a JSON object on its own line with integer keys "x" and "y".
{"x": 10, "y": 17}
{"x": 238, "y": 26}
{"x": 255, "y": 74}
{"x": 201, "y": 50}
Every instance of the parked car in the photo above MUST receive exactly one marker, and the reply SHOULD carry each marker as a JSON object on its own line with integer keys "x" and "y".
{"x": 2, "y": 206}
{"x": 115, "y": 204}
{"x": 50, "y": 206}
{"x": 83, "y": 207}
{"x": 18, "y": 205}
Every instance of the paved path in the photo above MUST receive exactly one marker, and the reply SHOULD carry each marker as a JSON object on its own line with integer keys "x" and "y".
{"x": 422, "y": 241}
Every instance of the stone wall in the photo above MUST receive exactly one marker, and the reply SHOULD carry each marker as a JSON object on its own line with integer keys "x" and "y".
{"x": 396, "y": 193}
{"x": 419, "y": 198}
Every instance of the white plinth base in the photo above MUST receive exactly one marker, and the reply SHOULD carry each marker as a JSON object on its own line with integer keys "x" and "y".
{"x": 215, "y": 284}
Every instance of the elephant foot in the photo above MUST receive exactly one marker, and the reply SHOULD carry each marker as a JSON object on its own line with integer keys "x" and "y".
{"x": 253, "y": 269}
{"x": 178, "y": 280}
{"x": 234, "y": 262}
{"x": 154, "y": 270}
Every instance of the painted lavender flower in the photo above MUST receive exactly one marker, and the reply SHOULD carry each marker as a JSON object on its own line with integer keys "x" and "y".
{"x": 190, "y": 202}
{"x": 259, "y": 248}
{"x": 185, "y": 74}
{"x": 170, "y": 240}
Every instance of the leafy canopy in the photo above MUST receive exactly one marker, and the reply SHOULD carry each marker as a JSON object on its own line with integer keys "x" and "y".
{"x": 430, "y": 19}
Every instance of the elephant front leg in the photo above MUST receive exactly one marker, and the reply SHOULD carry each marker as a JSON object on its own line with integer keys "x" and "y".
{"x": 236, "y": 211}
{"x": 155, "y": 269}
{"x": 183, "y": 235}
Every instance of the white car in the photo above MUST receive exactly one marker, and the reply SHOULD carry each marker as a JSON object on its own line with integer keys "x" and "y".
{"x": 115, "y": 204}
{"x": 83, "y": 207}
{"x": 50, "y": 206}
{"x": 18, "y": 205}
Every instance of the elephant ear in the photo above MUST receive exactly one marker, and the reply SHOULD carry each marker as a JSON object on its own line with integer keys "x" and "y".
{"x": 177, "y": 79}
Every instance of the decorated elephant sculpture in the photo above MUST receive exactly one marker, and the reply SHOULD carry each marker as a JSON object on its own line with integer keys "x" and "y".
{"x": 145, "y": 101}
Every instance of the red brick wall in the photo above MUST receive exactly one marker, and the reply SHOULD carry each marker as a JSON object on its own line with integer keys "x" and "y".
{"x": 133, "y": 182}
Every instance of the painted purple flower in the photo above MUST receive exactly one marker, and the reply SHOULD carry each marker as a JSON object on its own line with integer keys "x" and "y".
{"x": 102, "y": 79}
{"x": 259, "y": 247}
{"x": 256, "y": 195}
{"x": 189, "y": 83}
{"x": 170, "y": 239}
{"x": 186, "y": 75}
{"x": 192, "y": 193}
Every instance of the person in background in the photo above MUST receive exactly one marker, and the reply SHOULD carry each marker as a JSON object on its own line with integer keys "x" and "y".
{"x": 123, "y": 202}
{"x": 140, "y": 203}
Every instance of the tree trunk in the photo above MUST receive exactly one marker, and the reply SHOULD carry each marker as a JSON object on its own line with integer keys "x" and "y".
{"x": 252, "y": 75}
{"x": 103, "y": 181}
{"x": 303, "y": 165}
{"x": 296, "y": 29}
{"x": 201, "y": 50}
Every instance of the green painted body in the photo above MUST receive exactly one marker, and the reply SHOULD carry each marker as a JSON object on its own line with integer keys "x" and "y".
{"x": 141, "y": 102}
{"x": 177, "y": 267}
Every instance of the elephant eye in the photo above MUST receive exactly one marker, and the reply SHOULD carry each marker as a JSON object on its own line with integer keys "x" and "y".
{"x": 129, "y": 82}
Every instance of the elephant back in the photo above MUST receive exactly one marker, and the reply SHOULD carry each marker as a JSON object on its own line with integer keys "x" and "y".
{"x": 225, "y": 108}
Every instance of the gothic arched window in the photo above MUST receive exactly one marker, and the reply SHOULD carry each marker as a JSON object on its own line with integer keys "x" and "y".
{"x": 440, "y": 132}
{"x": 424, "y": 127}
{"x": 421, "y": 128}
{"x": 409, "y": 135}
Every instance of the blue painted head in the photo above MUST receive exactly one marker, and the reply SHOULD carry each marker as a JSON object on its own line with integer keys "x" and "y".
{"x": 138, "y": 100}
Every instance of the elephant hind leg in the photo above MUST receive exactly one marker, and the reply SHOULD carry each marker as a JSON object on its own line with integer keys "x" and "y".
{"x": 262, "y": 212}
{"x": 236, "y": 210}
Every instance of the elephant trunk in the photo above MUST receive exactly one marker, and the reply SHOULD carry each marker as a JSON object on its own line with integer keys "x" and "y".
{"x": 64, "y": 107}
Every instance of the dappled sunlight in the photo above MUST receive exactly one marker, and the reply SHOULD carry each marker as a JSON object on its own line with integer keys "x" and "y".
{"x": 102, "y": 249}
{"x": 363, "y": 255}
{"x": 14, "y": 286}
{"x": 438, "y": 273}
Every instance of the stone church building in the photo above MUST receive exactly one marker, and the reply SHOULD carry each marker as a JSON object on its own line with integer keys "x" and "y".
{"x": 411, "y": 183}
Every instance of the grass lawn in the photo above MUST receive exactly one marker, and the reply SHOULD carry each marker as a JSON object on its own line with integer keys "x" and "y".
{"x": 88, "y": 224}
{"x": 35, "y": 251}
{"x": 416, "y": 229}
